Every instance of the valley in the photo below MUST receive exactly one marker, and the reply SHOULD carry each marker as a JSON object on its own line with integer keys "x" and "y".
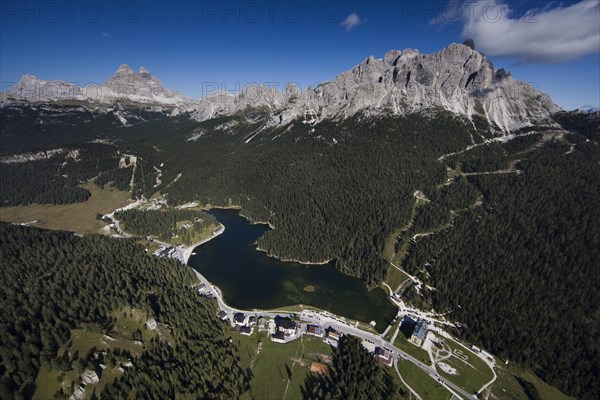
{"x": 451, "y": 247}
{"x": 76, "y": 217}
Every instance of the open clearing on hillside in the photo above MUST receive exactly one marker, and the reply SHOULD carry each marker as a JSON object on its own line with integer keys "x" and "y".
{"x": 76, "y": 217}
{"x": 277, "y": 363}
{"x": 461, "y": 366}
{"x": 403, "y": 344}
{"x": 395, "y": 277}
{"x": 92, "y": 338}
{"x": 423, "y": 384}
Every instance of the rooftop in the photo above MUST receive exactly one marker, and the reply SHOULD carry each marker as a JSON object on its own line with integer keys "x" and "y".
{"x": 239, "y": 317}
{"x": 285, "y": 322}
{"x": 421, "y": 329}
{"x": 245, "y": 330}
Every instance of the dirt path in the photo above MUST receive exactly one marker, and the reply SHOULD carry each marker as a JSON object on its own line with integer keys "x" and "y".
{"x": 412, "y": 391}
{"x": 301, "y": 345}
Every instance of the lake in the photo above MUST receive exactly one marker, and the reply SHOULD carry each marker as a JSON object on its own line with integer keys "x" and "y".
{"x": 249, "y": 279}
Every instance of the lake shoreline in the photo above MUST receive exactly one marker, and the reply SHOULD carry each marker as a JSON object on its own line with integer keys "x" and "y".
{"x": 258, "y": 248}
{"x": 188, "y": 250}
{"x": 249, "y": 280}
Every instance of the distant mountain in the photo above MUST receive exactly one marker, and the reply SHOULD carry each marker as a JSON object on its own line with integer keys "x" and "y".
{"x": 125, "y": 86}
{"x": 457, "y": 78}
{"x": 588, "y": 109}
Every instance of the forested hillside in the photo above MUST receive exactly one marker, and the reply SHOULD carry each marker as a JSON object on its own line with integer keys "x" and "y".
{"x": 521, "y": 270}
{"x": 335, "y": 193}
{"x": 354, "y": 375}
{"x": 163, "y": 224}
{"x": 78, "y": 306}
{"x": 56, "y": 179}
{"x": 506, "y": 230}
{"x": 29, "y": 126}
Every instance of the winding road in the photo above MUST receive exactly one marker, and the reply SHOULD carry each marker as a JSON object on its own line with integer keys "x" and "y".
{"x": 321, "y": 318}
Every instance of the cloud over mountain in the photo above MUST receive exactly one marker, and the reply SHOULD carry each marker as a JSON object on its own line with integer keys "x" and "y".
{"x": 551, "y": 34}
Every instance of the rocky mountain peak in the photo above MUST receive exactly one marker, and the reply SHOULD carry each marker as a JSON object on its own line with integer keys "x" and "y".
{"x": 124, "y": 70}
{"x": 124, "y": 86}
{"x": 457, "y": 78}
{"x": 142, "y": 84}
{"x": 143, "y": 72}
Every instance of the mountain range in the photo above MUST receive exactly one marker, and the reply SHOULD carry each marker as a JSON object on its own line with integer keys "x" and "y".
{"x": 457, "y": 78}
{"x": 437, "y": 177}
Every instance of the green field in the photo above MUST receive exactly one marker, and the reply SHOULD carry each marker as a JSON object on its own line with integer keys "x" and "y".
{"x": 46, "y": 384}
{"x": 395, "y": 277}
{"x": 422, "y": 383}
{"x": 77, "y": 217}
{"x": 399, "y": 256}
{"x": 395, "y": 325}
{"x": 130, "y": 320}
{"x": 403, "y": 344}
{"x": 472, "y": 371}
{"x": 276, "y": 363}
{"x": 508, "y": 387}
{"x": 390, "y": 242}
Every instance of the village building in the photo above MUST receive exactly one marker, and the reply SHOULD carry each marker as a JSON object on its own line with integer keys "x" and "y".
{"x": 333, "y": 334}
{"x": 239, "y": 318}
{"x": 384, "y": 356}
{"x": 286, "y": 325}
{"x": 278, "y": 337}
{"x": 314, "y": 330}
{"x": 286, "y": 330}
{"x": 246, "y": 330}
{"x": 201, "y": 288}
{"x": 223, "y": 315}
{"x": 261, "y": 323}
{"x": 419, "y": 334}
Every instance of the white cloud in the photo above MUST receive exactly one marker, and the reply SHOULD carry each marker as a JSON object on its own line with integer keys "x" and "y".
{"x": 548, "y": 35}
{"x": 352, "y": 21}
{"x": 104, "y": 34}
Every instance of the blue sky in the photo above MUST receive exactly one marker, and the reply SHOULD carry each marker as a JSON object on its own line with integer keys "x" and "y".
{"x": 191, "y": 45}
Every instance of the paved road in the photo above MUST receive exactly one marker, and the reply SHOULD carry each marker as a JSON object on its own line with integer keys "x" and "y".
{"x": 323, "y": 318}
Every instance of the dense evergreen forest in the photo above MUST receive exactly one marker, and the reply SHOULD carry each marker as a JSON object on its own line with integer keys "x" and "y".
{"x": 516, "y": 248}
{"x": 587, "y": 124}
{"x": 163, "y": 223}
{"x": 521, "y": 271}
{"x": 354, "y": 375}
{"x": 56, "y": 179}
{"x": 335, "y": 193}
{"x": 56, "y": 283}
{"x": 26, "y": 126}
